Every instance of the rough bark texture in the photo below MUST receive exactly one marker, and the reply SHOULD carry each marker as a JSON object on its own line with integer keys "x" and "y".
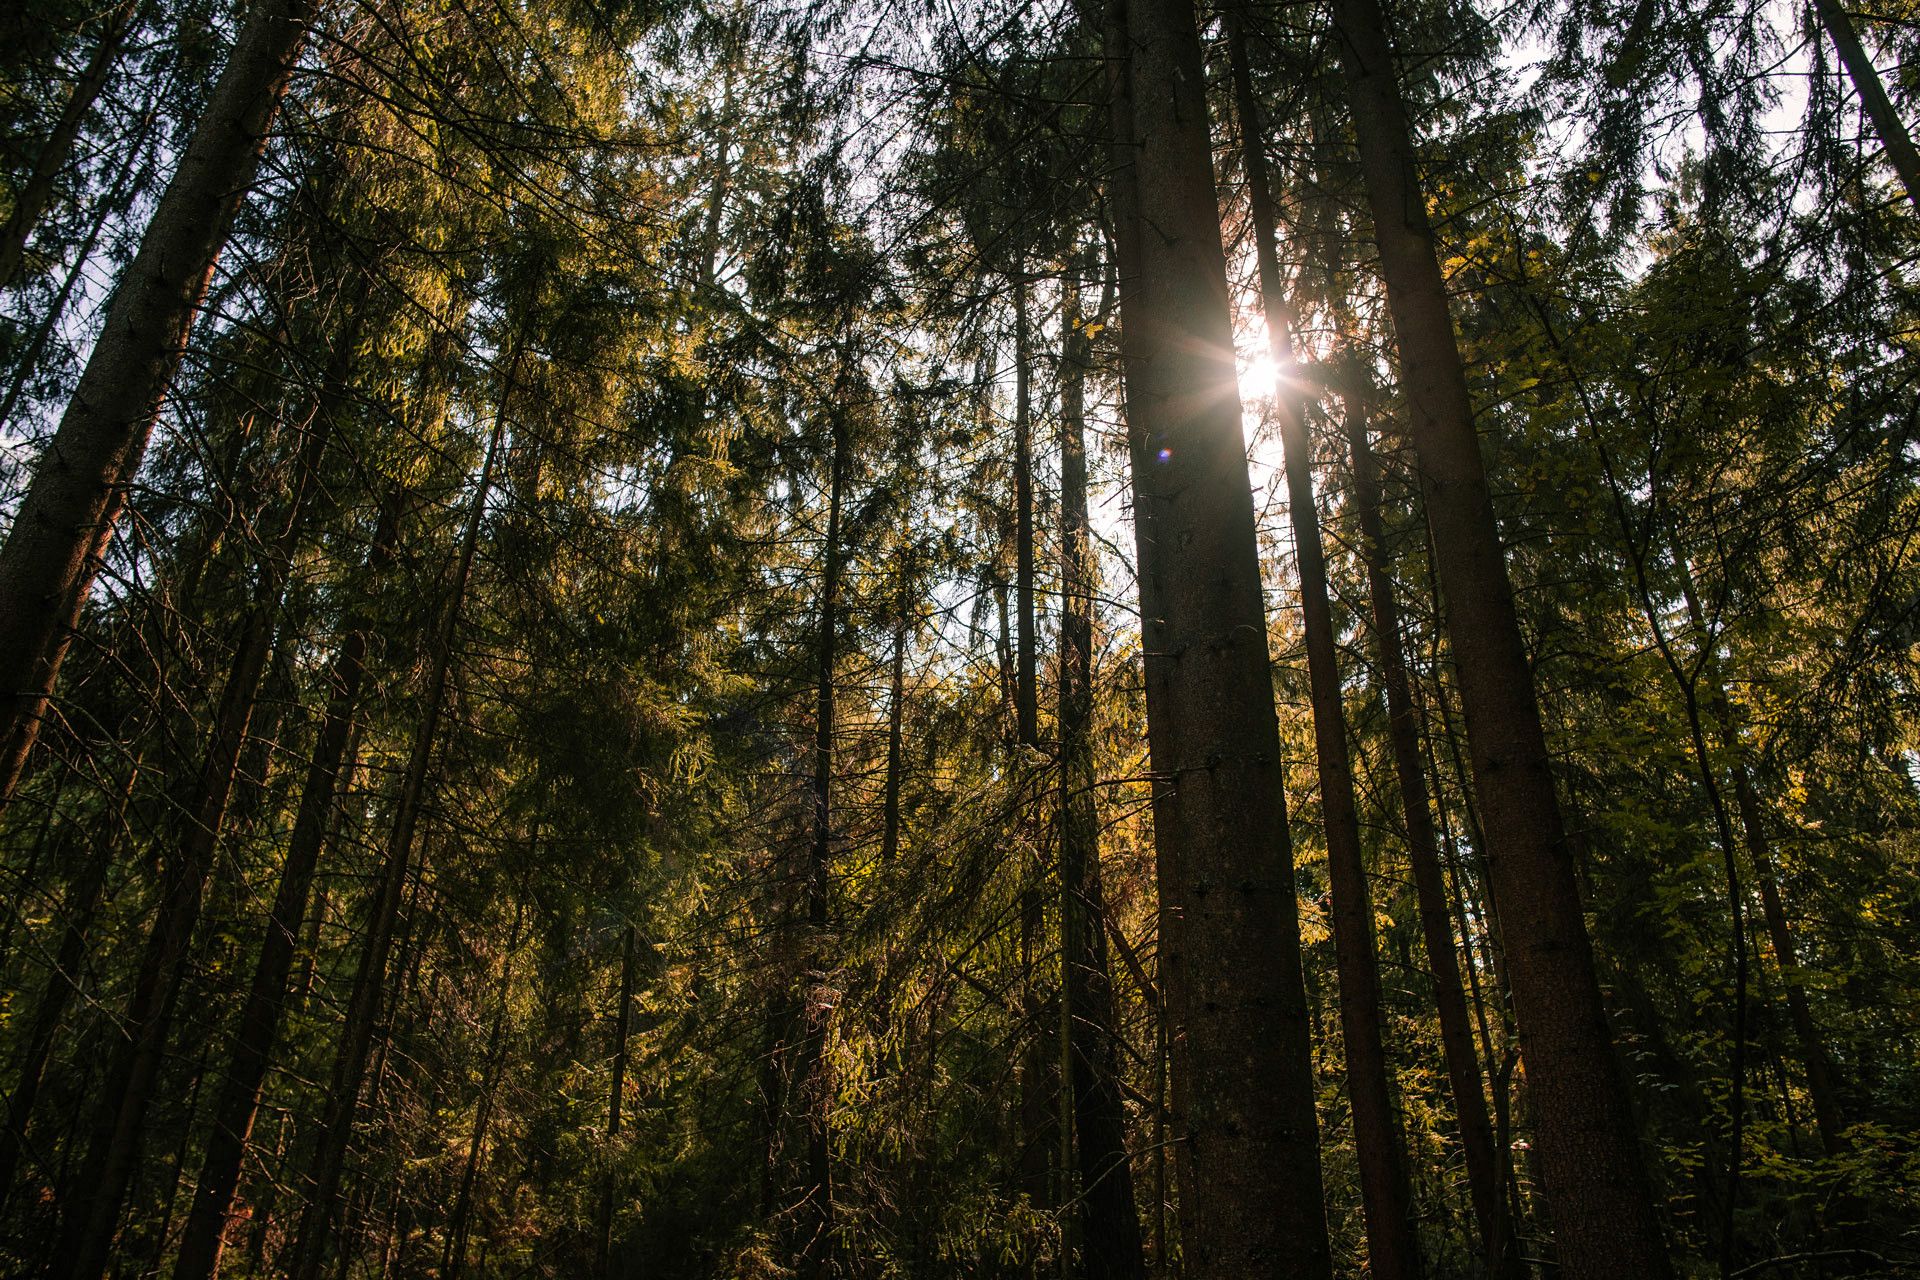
{"x": 1589, "y": 1154}
{"x": 67, "y": 516}
{"x": 1230, "y": 963}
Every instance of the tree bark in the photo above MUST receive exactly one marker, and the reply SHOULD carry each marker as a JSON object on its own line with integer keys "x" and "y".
{"x": 1901, "y": 153}
{"x": 65, "y": 521}
{"x": 1393, "y": 1252}
{"x": 1423, "y": 857}
{"x": 92, "y": 1222}
{"x": 57, "y": 150}
{"x": 370, "y": 977}
{"x": 1230, "y": 939}
{"x": 203, "y": 1238}
{"x": 814, "y": 1246}
{"x": 1111, "y": 1248}
{"x": 1589, "y": 1152}
{"x": 63, "y": 982}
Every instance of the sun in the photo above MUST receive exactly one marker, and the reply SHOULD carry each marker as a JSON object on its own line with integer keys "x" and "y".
{"x": 1260, "y": 379}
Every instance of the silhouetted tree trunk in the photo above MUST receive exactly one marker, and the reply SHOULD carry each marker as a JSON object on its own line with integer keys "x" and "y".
{"x": 1230, "y": 941}
{"x": 1589, "y": 1153}
{"x": 1111, "y": 1247}
{"x": 258, "y": 1030}
{"x": 814, "y": 1219}
{"x": 1386, "y": 1195}
{"x": 370, "y": 977}
{"x": 92, "y": 1222}
{"x": 56, "y": 152}
{"x": 1873, "y": 95}
{"x": 1817, "y": 1068}
{"x": 66, "y": 518}
{"x": 461, "y": 1225}
{"x": 63, "y": 983}
{"x": 1423, "y": 859}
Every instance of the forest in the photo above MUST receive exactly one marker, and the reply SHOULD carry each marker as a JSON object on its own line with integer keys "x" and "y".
{"x": 867, "y": 639}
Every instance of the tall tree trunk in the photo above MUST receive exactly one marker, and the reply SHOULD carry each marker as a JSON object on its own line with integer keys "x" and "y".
{"x": 1111, "y": 1248}
{"x": 616, "y": 1096}
{"x": 258, "y": 1030}
{"x": 92, "y": 1221}
{"x": 1423, "y": 858}
{"x": 815, "y": 1217}
{"x": 1386, "y": 1196}
{"x": 57, "y": 150}
{"x": 1589, "y": 1153}
{"x": 1816, "y": 1067}
{"x": 63, "y": 983}
{"x": 1886, "y": 121}
{"x": 461, "y": 1225}
{"x": 896, "y": 717}
{"x": 1036, "y": 1139}
{"x": 370, "y": 976}
{"x": 66, "y": 519}
{"x": 1230, "y": 936}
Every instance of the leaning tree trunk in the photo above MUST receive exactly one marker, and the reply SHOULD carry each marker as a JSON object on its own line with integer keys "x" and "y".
{"x": 370, "y": 977}
{"x": 1423, "y": 858}
{"x": 92, "y": 1222}
{"x": 57, "y": 151}
{"x": 1386, "y": 1196}
{"x": 1873, "y": 95}
{"x": 1590, "y": 1157}
{"x": 63, "y": 983}
{"x": 1111, "y": 1247}
{"x": 1230, "y": 941}
{"x": 204, "y": 1236}
{"x": 1816, "y": 1066}
{"x": 66, "y": 519}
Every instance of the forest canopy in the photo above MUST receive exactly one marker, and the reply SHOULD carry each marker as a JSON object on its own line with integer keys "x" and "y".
{"x": 903, "y": 638}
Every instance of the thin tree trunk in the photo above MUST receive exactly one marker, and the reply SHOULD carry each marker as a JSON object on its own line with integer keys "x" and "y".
{"x": 1423, "y": 858}
{"x": 1386, "y": 1196}
{"x": 63, "y": 983}
{"x": 622, "y": 1033}
{"x": 57, "y": 150}
{"x": 1815, "y": 1065}
{"x": 1230, "y": 938}
{"x": 815, "y": 1216}
{"x": 258, "y": 1030}
{"x": 370, "y": 977}
{"x": 1886, "y": 121}
{"x": 462, "y": 1224}
{"x": 1036, "y": 1147}
{"x": 65, "y": 521}
{"x": 1589, "y": 1152}
{"x": 896, "y": 715}
{"x": 92, "y": 1222}
{"x": 1110, "y": 1239}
